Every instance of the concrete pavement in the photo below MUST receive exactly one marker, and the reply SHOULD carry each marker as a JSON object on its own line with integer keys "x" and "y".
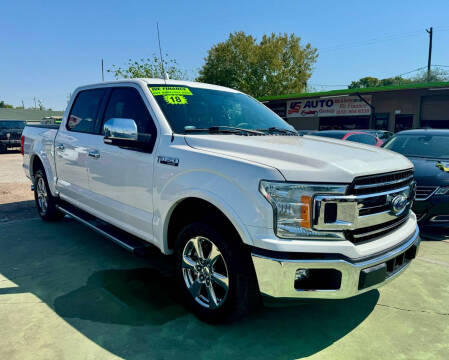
{"x": 68, "y": 293}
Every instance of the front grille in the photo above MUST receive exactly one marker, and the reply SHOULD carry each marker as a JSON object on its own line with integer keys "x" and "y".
{"x": 15, "y": 136}
{"x": 382, "y": 182}
{"x": 375, "y": 231}
{"x": 425, "y": 192}
{"x": 379, "y": 203}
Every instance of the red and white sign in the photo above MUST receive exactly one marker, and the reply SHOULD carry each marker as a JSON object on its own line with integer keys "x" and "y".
{"x": 335, "y": 106}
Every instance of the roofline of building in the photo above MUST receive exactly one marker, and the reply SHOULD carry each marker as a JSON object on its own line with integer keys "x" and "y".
{"x": 355, "y": 91}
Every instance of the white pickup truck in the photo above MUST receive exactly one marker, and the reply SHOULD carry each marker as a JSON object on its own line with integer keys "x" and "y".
{"x": 245, "y": 204}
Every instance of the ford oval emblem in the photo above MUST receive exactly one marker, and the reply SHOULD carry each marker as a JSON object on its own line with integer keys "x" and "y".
{"x": 398, "y": 204}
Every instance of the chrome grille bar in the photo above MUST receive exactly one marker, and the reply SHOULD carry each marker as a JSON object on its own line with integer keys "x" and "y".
{"x": 370, "y": 210}
{"x": 425, "y": 192}
{"x": 367, "y": 186}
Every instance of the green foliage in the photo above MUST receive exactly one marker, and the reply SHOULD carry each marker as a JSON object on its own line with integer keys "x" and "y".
{"x": 4, "y": 105}
{"x": 149, "y": 68}
{"x": 436, "y": 75}
{"x": 369, "y": 81}
{"x": 278, "y": 64}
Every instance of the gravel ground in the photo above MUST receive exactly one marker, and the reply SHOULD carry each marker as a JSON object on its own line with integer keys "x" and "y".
{"x": 16, "y": 199}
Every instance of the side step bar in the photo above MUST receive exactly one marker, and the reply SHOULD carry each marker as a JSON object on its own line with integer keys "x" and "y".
{"x": 128, "y": 241}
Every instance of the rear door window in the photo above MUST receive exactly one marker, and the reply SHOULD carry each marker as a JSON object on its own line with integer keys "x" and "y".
{"x": 84, "y": 113}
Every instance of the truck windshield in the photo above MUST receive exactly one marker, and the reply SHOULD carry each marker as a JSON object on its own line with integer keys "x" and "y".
{"x": 190, "y": 108}
{"x": 12, "y": 124}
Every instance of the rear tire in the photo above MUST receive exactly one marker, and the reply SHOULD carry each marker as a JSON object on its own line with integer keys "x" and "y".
{"x": 45, "y": 201}
{"x": 214, "y": 273}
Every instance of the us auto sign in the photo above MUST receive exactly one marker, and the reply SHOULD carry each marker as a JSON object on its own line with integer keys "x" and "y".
{"x": 335, "y": 106}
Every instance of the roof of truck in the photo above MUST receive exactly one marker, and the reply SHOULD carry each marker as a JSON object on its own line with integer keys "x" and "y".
{"x": 162, "y": 82}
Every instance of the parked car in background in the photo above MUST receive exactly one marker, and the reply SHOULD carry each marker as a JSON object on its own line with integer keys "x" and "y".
{"x": 351, "y": 135}
{"x": 383, "y": 135}
{"x": 246, "y": 205}
{"x": 428, "y": 149}
{"x": 10, "y": 133}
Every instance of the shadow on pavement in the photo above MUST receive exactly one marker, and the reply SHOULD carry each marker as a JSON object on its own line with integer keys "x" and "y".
{"x": 130, "y": 307}
{"x": 17, "y": 210}
{"x": 434, "y": 234}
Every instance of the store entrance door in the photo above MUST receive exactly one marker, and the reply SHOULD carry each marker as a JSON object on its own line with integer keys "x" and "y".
{"x": 403, "y": 122}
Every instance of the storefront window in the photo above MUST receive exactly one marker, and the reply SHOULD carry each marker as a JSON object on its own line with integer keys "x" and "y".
{"x": 381, "y": 121}
{"x": 403, "y": 122}
{"x": 344, "y": 122}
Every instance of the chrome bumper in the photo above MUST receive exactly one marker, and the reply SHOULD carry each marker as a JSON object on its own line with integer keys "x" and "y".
{"x": 276, "y": 276}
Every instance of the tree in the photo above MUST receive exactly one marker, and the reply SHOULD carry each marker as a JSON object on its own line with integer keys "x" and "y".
{"x": 369, "y": 81}
{"x": 4, "y": 105}
{"x": 149, "y": 68}
{"x": 278, "y": 64}
{"x": 436, "y": 75}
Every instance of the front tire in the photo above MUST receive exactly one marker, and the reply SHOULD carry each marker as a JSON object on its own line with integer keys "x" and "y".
{"x": 45, "y": 201}
{"x": 214, "y": 273}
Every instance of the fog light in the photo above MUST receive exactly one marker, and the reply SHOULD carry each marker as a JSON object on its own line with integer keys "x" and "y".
{"x": 301, "y": 274}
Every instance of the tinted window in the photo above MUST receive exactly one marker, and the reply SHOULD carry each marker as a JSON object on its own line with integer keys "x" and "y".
{"x": 12, "y": 124}
{"x": 432, "y": 146}
{"x": 330, "y": 135}
{"x": 126, "y": 103}
{"x": 363, "y": 138}
{"x": 189, "y": 108}
{"x": 83, "y": 116}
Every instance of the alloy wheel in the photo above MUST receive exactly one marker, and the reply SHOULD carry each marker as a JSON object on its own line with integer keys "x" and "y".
{"x": 205, "y": 272}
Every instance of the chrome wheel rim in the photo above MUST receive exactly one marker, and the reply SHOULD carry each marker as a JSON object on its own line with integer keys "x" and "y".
{"x": 205, "y": 272}
{"x": 42, "y": 197}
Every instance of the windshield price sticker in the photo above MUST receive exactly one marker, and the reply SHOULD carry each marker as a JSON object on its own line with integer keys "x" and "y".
{"x": 175, "y": 99}
{"x": 172, "y": 90}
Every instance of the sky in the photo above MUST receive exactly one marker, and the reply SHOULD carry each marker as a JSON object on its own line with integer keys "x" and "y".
{"x": 48, "y": 48}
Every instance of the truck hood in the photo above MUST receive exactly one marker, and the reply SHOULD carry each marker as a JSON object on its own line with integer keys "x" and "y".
{"x": 305, "y": 158}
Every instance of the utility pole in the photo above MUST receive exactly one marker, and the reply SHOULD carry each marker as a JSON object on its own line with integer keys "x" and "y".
{"x": 429, "y": 61}
{"x": 102, "y": 70}
{"x": 34, "y": 99}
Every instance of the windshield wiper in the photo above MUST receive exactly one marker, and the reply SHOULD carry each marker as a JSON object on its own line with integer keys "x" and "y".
{"x": 225, "y": 130}
{"x": 276, "y": 130}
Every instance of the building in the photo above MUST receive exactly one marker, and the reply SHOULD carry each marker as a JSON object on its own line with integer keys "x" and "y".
{"x": 27, "y": 114}
{"x": 392, "y": 108}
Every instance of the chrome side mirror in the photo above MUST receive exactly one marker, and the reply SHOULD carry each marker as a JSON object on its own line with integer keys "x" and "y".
{"x": 119, "y": 130}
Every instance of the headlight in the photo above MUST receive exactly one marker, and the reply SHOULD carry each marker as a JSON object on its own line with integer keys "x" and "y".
{"x": 444, "y": 190}
{"x": 292, "y": 206}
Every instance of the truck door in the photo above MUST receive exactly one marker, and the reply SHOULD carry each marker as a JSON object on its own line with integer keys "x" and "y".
{"x": 121, "y": 180}
{"x": 72, "y": 144}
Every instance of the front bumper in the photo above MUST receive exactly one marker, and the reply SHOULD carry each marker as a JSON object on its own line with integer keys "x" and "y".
{"x": 330, "y": 276}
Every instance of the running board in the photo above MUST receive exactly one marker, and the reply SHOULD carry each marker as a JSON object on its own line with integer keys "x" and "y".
{"x": 128, "y": 241}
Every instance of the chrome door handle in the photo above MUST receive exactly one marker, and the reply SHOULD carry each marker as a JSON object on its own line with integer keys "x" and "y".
{"x": 94, "y": 153}
{"x": 60, "y": 147}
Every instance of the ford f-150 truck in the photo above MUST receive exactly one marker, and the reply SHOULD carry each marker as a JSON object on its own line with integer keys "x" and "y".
{"x": 245, "y": 204}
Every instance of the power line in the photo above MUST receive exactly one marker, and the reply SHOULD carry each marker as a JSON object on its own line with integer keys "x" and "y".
{"x": 371, "y": 41}
{"x": 377, "y": 40}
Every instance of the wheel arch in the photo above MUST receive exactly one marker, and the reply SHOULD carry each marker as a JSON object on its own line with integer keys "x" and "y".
{"x": 192, "y": 208}
{"x": 36, "y": 163}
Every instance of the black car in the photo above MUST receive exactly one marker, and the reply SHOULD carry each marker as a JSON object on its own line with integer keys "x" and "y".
{"x": 429, "y": 151}
{"x": 10, "y": 134}
{"x": 359, "y": 136}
